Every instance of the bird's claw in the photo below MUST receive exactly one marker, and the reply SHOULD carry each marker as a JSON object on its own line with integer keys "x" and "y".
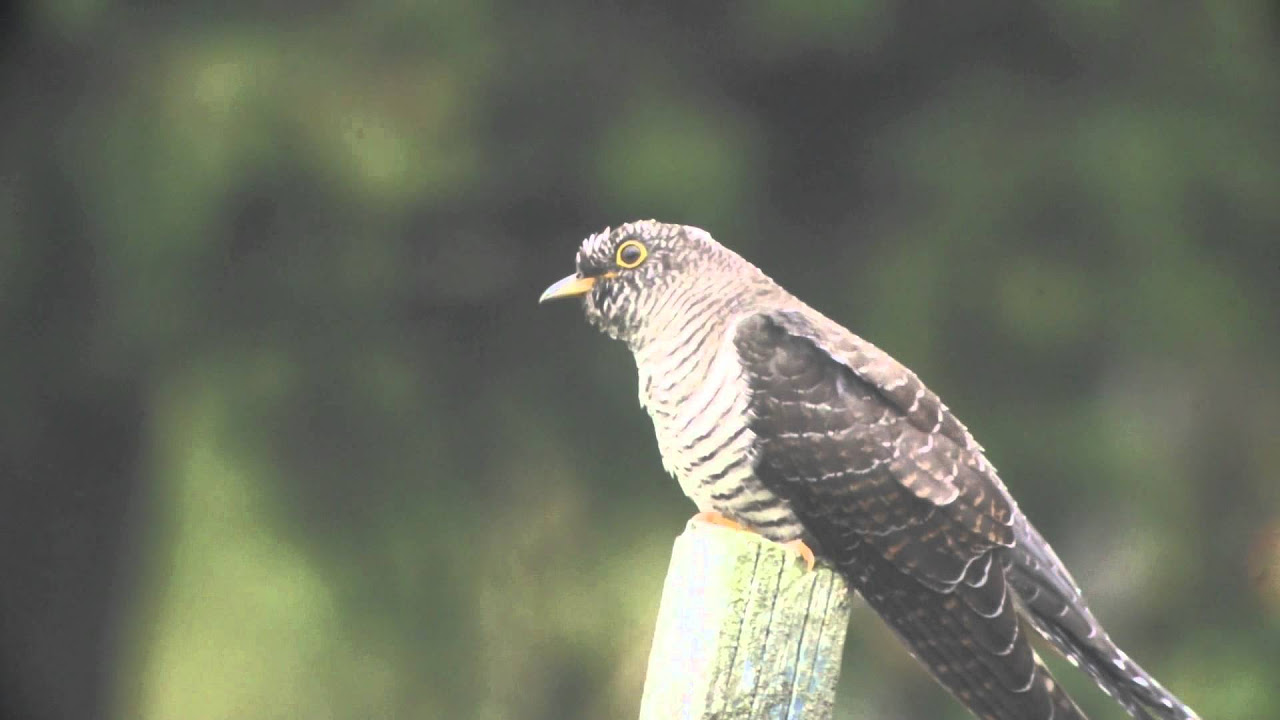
{"x": 711, "y": 517}
{"x": 803, "y": 550}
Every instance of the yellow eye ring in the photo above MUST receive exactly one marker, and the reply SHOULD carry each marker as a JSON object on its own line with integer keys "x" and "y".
{"x": 631, "y": 253}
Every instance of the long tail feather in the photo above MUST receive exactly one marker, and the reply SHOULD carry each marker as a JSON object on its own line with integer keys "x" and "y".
{"x": 970, "y": 639}
{"x": 1057, "y": 610}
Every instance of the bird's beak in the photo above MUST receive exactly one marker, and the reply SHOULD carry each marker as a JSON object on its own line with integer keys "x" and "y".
{"x": 571, "y": 286}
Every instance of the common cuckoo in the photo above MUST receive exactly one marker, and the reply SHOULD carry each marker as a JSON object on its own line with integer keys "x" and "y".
{"x": 776, "y": 419}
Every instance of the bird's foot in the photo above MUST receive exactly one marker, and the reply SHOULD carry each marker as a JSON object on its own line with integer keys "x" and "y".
{"x": 798, "y": 546}
{"x": 711, "y": 517}
{"x": 803, "y": 551}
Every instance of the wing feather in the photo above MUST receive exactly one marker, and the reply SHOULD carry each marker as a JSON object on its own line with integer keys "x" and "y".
{"x": 897, "y": 494}
{"x": 884, "y": 462}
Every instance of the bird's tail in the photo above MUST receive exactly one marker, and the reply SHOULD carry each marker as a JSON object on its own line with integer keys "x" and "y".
{"x": 1058, "y": 612}
{"x": 969, "y": 639}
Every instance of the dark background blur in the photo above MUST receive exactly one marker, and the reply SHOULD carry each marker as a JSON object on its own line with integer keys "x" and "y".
{"x": 286, "y": 435}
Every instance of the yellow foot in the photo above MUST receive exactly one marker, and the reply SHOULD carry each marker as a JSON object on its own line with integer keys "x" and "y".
{"x": 711, "y": 517}
{"x": 803, "y": 550}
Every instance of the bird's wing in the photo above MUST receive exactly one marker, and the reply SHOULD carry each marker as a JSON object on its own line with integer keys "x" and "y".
{"x": 840, "y": 420}
{"x": 897, "y": 494}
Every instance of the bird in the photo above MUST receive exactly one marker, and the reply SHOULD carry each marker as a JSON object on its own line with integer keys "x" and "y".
{"x": 777, "y": 420}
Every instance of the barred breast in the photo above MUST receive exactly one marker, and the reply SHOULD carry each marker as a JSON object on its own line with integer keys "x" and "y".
{"x": 692, "y": 385}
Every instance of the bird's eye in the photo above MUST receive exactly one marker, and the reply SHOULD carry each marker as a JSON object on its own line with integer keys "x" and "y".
{"x": 631, "y": 253}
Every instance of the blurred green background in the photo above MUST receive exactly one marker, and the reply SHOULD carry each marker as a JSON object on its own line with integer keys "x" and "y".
{"x": 286, "y": 435}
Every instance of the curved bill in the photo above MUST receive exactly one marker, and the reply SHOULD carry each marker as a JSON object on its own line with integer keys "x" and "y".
{"x": 571, "y": 286}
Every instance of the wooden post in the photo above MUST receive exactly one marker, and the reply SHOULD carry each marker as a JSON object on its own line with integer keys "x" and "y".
{"x": 744, "y": 631}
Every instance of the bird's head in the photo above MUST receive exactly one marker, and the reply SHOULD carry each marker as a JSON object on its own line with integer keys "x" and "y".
{"x": 626, "y": 275}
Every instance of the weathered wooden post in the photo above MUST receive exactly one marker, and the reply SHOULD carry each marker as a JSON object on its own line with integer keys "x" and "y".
{"x": 744, "y": 631}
